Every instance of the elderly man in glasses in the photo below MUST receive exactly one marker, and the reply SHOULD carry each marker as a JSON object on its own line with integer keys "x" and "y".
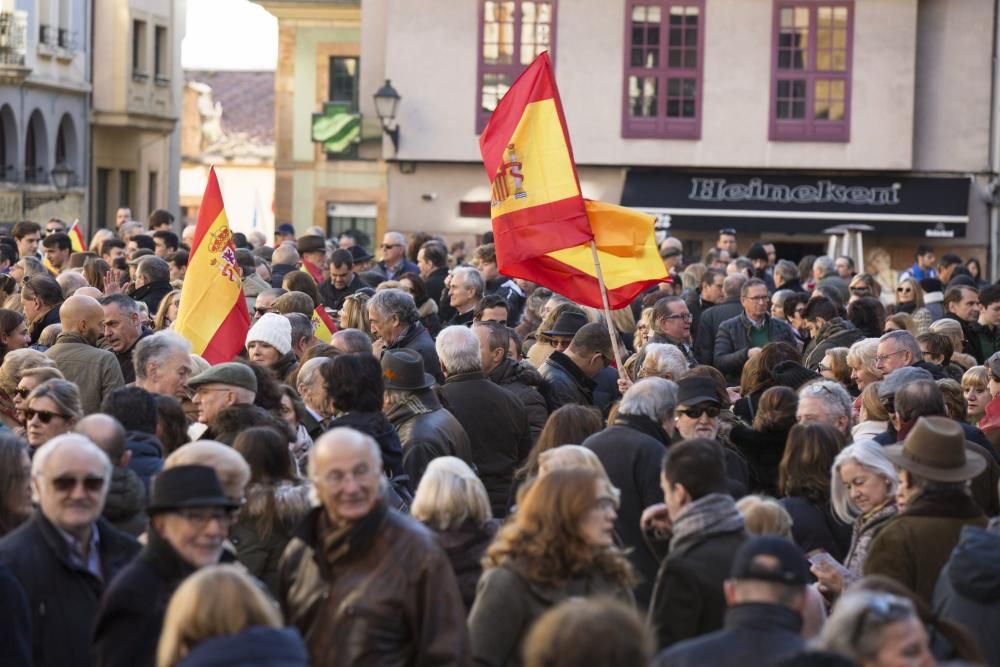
{"x": 394, "y": 262}
{"x": 190, "y": 516}
{"x": 899, "y": 349}
{"x": 741, "y": 338}
{"x": 66, "y": 554}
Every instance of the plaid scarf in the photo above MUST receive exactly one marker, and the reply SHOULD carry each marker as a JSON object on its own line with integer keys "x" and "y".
{"x": 709, "y": 515}
{"x": 337, "y": 542}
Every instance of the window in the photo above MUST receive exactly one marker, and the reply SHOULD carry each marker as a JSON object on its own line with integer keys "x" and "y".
{"x": 811, "y": 76}
{"x": 151, "y": 194}
{"x": 663, "y": 64}
{"x": 160, "y": 71}
{"x": 139, "y": 50}
{"x": 125, "y": 178}
{"x": 101, "y": 200}
{"x": 343, "y": 87}
{"x": 351, "y": 217}
{"x": 511, "y": 34}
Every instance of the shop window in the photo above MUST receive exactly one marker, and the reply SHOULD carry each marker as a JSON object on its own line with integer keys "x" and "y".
{"x": 811, "y": 75}
{"x": 663, "y": 68}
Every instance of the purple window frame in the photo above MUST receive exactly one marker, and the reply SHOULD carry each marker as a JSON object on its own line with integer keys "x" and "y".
{"x": 660, "y": 126}
{"x": 810, "y": 128}
{"x": 515, "y": 67}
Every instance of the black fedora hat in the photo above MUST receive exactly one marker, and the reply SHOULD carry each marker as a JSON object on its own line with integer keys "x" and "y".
{"x": 567, "y": 324}
{"x": 404, "y": 369}
{"x": 359, "y": 254}
{"x": 187, "y": 486}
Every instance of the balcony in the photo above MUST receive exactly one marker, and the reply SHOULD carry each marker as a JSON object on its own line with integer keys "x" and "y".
{"x": 13, "y": 46}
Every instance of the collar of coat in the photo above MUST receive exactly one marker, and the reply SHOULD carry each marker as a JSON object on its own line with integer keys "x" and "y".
{"x": 72, "y": 337}
{"x": 947, "y": 504}
{"x": 643, "y": 424}
{"x": 560, "y": 360}
{"x": 358, "y": 538}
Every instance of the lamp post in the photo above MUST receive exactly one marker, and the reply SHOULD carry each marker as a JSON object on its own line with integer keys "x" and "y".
{"x": 386, "y": 101}
{"x": 62, "y": 174}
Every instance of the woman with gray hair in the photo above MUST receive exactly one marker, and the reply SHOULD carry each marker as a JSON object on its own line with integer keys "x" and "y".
{"x": 53, "y": 408}
{"x": 863, "y": 494}
{"x": 877, "y": 630}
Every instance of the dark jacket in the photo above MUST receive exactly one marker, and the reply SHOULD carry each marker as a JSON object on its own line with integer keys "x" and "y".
{"x": 15, "y": 622}
{"x": 834, "y": 280}
{"x": 256, "y": 646}
{"x": 972, "y": 345}
{"x": 63, "y": 595}
{"x": 417, "y": 339}
{"x": 696, "y": 306}
{"x": 525, "y": 382}
{"x": 260, "y": 550}
{"x": 392, "y": 597}
{"x": 278, "y": 273}
{"x": 405, "y": 267}
{"x": 632, "y": 452}
{"x": 426, "y": 431}
{"x": 838, "y": 332}
{"x": 497, "y": 427}
{"x": 131, "y": 615}
{"x": 687, "y": 599}
{"x": 704, "y": 342}
{"x": 968, "y": 590}
{"x": 152, "y": 294}
{"x": 36, "y": 329}
{"x": 94, "y": 371}
{"x": 816, "y": 527}
{"x": 755, "y": 634}
{"x": 377, "y": 426}
{"x": 565, "y": 383}
{"x": 932, "y": 521}
{"x": 732, "y": 342}
{"x": 465, "y": 545}
{"x": 147, "y": 455}
{"x": 514, "y": 295}
{"x": 125, "y": 505}
{"x": 333, "y": 297}
{"x": 434, "y": 284}
{"x": 763, "y": 451}
{"x": 508, "y": 604}
{"x": 125, "y": 358}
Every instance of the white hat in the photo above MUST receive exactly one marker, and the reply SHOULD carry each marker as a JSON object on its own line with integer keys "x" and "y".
{"x": 273, "y": 329}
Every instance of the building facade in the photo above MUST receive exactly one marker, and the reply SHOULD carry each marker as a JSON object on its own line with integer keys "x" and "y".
{"x": 137, "y": 94}
{"x": 44, "y": 95}
{"x": 328, "y": 167}
{"x": 778, "y": 118}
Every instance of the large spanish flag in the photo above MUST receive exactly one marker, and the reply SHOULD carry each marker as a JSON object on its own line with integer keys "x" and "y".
{"x": 213, "y": 312}
{"x": 542, "y": 225}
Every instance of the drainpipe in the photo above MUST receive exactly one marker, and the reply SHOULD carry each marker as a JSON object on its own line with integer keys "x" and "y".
{"x": 994, "y": 255}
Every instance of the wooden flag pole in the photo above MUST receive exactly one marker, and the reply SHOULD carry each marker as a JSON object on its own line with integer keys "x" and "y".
{"x": 607, "y": 312}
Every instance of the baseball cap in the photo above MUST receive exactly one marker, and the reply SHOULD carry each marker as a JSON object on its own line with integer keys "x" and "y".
{"x": 694, "y": 389}
{"x": 770, "y": 558}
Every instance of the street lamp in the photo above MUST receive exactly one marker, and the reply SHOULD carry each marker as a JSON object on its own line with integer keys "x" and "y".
{"x": 62, "y": 174}
{"x": 386, "y": 101}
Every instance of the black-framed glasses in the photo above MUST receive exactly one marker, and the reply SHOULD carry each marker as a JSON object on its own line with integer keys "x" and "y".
{"x": 823, "y": 368}
{"x": 904, "y": 290}
{"x": 860, "y": 291}
{"x": 67, "y": 483}
{"x": 200, "y": 518}
{"x": 764, "y": 297}
{"x": 23, "y": 392}
{"x": 687, "y": 317}
{"x": 882, "y": 358}
{"x": 388, "y": 246}
{"x": 44, "y": 416}
{"x": 696, "y": 412}
{"x": 263, "y": 311}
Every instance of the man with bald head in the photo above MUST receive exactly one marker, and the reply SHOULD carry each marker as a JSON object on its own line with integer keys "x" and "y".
{"x": 95, "y": 371}
{"x": 125, "y": 504}
{"x": 66, "y": 554}
{"x": 284, "y": 259}
{"x": 350, "y": 553}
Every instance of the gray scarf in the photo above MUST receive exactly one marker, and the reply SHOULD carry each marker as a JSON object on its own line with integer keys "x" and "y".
{"x": 709, "y": 515}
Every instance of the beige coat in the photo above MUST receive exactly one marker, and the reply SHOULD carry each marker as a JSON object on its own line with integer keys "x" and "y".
{"x": 94, "y": 371}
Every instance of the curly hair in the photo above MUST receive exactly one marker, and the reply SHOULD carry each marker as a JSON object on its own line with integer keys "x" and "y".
{"x": 543, "y": 540}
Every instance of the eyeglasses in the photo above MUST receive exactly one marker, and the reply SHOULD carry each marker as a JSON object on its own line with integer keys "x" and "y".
{"x": 882, "y": 358}
{"x": 687, "y": 317}
{"x": 757, "y": 298}
{"x": 387, "y": 246}
{"x": 824, "y": 368}
{"x": 66, "y": 484}
{"x": 23, "y": 392}
{"x": 200, "y": 518}
{"x": 862, "y": 290}
{"x": 44, "y": 416}
{"x": 335, "y": 478}
{"x": 696, "y": 413}
{"x": 904, "y": 290}
{"x": 263, "y": 311}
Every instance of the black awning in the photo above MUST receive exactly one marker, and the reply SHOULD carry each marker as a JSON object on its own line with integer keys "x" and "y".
{"x": 803, "y": 203}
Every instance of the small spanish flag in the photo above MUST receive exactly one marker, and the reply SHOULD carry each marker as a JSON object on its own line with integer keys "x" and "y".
{"x": 323, "y": 324}
{"x": 76, "y": 237}
{"x": 213, "y": 312}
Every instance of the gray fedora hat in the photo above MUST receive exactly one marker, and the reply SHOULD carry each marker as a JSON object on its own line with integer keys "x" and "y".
{"x": 404, "y": 369}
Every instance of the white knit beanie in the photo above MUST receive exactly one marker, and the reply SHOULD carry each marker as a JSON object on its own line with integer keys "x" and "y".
{"x": 273, "y": 329}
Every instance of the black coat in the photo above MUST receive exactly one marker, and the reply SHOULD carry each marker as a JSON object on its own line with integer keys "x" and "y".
{"x": 377, "y": 425}
{"x": 131, "y": 615}
{"x": 632, "y": 452}
{"x": 417, "y": 339}
{"x": 763, "y": 451}
{"x": 256, "y": 646}
{"x": 732, "y": 343}
{"x": 525, "y": 382}
{"x": 152, "y": 294}
{"x": 465, "y": 545}
{"x": 426, "y": 431}
{"x": 837, "y": 332}
{"x": 434, "y": 284}
{"x": 15, "y": 621}
{"x": 333, "y": 297}
{"x": 64, "y": 596}
{"x": 497, "y": 427}
{"x": 125, "y": 358}
{"x": 36, "y": 329}
{"x": 278, "y": 273}
{"x": 704, "y": 342}
{"x": 147, "y": 455}
{"x": 755, "y": 634}
{"x": 688, "y": 600}
{"x": 565, "y": 383}
{"x": 816, "y": 527}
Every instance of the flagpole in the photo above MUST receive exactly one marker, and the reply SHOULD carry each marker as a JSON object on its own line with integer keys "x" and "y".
{"x": 607, "y": 312}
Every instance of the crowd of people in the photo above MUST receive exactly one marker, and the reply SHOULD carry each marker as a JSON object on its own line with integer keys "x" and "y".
{"x": 796, "y": 463}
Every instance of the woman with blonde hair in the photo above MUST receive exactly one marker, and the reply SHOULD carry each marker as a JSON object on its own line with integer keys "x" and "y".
{"x": 220, "y": 617}
{"x": 452, "y": 501}
{"x": 167, "y": 312}
{"x": 558, "y": 545}
{"x": 976, "y": 389}
{"x": 13, "y": 366}
{"x": 872, "y": 416}
{"x": 764, "y": 515}
{"x": 52, "y": 408}
{"x": 834, "y": 367}
{"x": 354, "y": 313}
{"x": 910, "y": 299}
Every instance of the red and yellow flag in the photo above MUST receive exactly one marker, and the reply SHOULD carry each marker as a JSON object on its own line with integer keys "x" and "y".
{"x": 76, "y": 237}
{"x": 213, "y": 312}
{"x": 324, "y": 325}
{"x": 542, "y": 225}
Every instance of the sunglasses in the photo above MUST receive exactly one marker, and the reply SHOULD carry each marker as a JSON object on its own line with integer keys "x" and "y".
{"x": 22, "y": 392}
{"x": 387, "y": 246}
{"x": 91, "y": 484}
{"x": 263, "y": 311}
{"x": 44, "y": 416}
{"x": 903, "y": 290}
{"x": 860, "y": 290}
{"x": 696, "y": 413}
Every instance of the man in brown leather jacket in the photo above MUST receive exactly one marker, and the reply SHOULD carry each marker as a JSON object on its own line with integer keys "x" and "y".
{"x": 362, "y": 583}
